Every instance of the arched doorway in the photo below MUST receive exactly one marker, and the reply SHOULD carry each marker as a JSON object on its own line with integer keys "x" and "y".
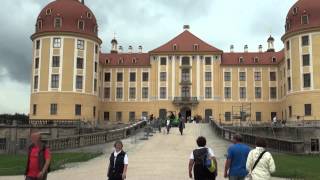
{"x": 185, "y": 112}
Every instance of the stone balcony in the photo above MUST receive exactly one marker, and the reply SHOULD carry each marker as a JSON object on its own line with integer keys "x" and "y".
{"x": 183, "y": 101}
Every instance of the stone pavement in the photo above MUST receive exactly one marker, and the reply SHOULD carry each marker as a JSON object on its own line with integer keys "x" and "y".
{"x": 162, "y": 157}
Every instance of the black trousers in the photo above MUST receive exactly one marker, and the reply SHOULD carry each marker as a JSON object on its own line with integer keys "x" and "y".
{"x": 32, "y": 178}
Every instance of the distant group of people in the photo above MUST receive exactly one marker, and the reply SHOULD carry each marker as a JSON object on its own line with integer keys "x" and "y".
{"x": 277, "y": 122}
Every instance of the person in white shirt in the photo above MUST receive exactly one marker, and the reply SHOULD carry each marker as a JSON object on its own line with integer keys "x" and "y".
{"x": 274, "y": 120}
{"x": 118, "y": 163}
{"x": 196, "y": 161}
{"x": 265, "y": 166}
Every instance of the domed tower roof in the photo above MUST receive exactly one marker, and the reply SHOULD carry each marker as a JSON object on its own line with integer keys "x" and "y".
{"x": 70, "y": 16}
{"x": 304, "y": 14}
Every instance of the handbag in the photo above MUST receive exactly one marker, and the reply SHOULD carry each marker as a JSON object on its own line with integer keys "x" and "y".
{"x": 249, "y": 176}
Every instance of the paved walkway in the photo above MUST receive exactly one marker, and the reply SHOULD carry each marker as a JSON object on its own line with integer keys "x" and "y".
{"x": 161, "y": 157}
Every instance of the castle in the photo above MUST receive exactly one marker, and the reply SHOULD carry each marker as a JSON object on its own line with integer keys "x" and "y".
{"x": 73, "y": 79}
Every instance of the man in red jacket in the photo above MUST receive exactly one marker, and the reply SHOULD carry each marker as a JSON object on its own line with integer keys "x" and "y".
{"x": 39, "y": 158}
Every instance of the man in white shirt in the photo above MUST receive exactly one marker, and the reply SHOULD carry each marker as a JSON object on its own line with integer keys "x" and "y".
{"x": 118, "y": 163}
{"x": 196, "y": 161}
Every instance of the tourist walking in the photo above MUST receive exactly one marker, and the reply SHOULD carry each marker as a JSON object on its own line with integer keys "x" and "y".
{"x": 197, "y": 159}
{"x": 260, "y": 163}
{"x": 39, "y": 158}
{"x": 181, "y": 126}
{"x": 168, "y": 126}
{"x": 235, "y": 166}
{"x": 118, "y": 163}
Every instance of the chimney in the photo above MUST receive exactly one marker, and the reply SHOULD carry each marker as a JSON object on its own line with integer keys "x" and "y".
{"x": 114, "y": 46}
{"x": 260, "y": 48}
{"x": 186, "y": 27}
{"x": 245, "y": 48}
{"x": 130, "y": 49}
{"x": 232, "y": 48}
{"x": 120, "y": 49}
{"x": 140, "y": 49}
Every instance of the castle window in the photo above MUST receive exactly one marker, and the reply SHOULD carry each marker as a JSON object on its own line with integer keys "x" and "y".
{"x": 107, "y": 61}
{"x": 257, "y": 76}
{"x": 273, "y": 76}
{"x": 119, "y": 77}
{"x": 241, "y": 60}
{"x": 207, "y": 60}
{"x": 53, "y": 109}
{"x": 36, "y": 63}
{"x": 79, "y": 63}
{"x": 134, "y": 60}
{"x": 55, "y": 81}
{"x": 132, "y": 77}
{"x": 79, "y": 80}
{"x": 35, "y": 82}
{"x": 120, "y": 61}
{"x": 288, "y": 45}
{"x": 163, "y": 61}
{"x": 81, "y": 24}
{"x": 306, "y": 60}
{"x": 56, "y": 42}
{"x": 242, "y": 76}
{"x": 38, "y": 44}
{"x": 195, "y": 47}
{"x": 185, "y": 61}
{"x": 256, "y": 60}
{"x": 55, "y": 61}
{"x": 306, "y": 80}
{"x": 48, "y": 11}
{"x": 80, "y": 44}
{"x": 305, "y": 40}
{"x": 96, "y": 49}
{"x": 57, "y": 22}
{"x": 273, "y": 93}
{"x": 34, "y": 112}
{"x": 145, "y": 76}
{"x": 295, "y": 11}
{"x": 78, "y": 109}
{"x": 307, "y": 110}
{"x": 227, "y": 76}
{"x": 89, "y": 15}
{"x": 274, "y": 60}
{"x": 175, "y": 47}
{"x": 107, "y": 77}
{"x": 39, "y": 24}
{"x": 95, "y": 29}
{"x": 304, "y": 19}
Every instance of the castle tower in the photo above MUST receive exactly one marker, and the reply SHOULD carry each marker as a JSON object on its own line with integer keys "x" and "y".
{"x": 65, "y": 63}
{"x": 301, "y": 40}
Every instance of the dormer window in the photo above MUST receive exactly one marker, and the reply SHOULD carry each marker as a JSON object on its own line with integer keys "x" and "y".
{"x": 95, "y": 29}
{"x": 256, "y": 60}
{"x": 81, "y": 24}
{"x": 241, "y": 60}
{"x": 48, "y": 12}
{"x": 120, "y": 61}
{"x": 57, "y": 22}
{"x": 134, "y": 60}
{"x": 195, "y": 47}
{"x": 274, "y": 60}
{"x": 107, "y": 61}
{"x": 175, "y": 47}
{"x": 39, "y": 24}
{"x": 305, "y": 19}
{"x": 295, "y": 11}
{"x": 89, "y": 15}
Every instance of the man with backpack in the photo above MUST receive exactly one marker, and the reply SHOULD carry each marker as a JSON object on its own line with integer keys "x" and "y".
{"x": 199, "y": 159}
{"x": 39, "y": 158}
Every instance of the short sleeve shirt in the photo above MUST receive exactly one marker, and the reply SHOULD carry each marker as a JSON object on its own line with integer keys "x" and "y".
{"x": 210, "y": 151}
{"x": 125, "y": 160}
{"x": 33, "y": 163}
{"x": 238, "y": 154}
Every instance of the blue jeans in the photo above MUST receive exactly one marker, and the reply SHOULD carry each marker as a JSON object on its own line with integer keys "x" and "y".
{"x": 237, "y": 177}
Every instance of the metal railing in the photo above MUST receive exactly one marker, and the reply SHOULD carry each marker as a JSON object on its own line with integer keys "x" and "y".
{"x": 185, "y": 100}
{"x": 276, "y": 144}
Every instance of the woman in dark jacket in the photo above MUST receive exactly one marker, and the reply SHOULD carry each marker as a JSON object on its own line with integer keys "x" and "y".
{"x": 118, "y": 163}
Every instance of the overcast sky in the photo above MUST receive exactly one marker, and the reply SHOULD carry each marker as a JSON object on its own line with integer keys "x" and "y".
{"x": 149, "y": 23}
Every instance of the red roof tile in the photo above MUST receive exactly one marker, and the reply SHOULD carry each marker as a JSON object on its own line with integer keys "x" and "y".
{"x": 70, "y": 12}
{"x": 126, "y": 59}
{"x": 185, "y": 43}
{"x": 303, "y": 7}
{"x": 264, "y": 58}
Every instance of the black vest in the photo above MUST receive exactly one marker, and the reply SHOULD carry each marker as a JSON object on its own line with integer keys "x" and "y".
{"x": 41, "y": 158}
{"x": 200, "y": 172}
{"x": 116, "y": 166}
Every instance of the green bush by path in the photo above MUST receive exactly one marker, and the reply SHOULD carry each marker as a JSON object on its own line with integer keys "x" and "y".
{"x": 15, "y": 164}
{"x": 297, "y": 166}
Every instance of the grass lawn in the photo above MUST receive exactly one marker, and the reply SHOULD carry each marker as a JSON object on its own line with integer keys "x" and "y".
{"x": 15, "y": 164}
{"x": 297, "y": 166}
